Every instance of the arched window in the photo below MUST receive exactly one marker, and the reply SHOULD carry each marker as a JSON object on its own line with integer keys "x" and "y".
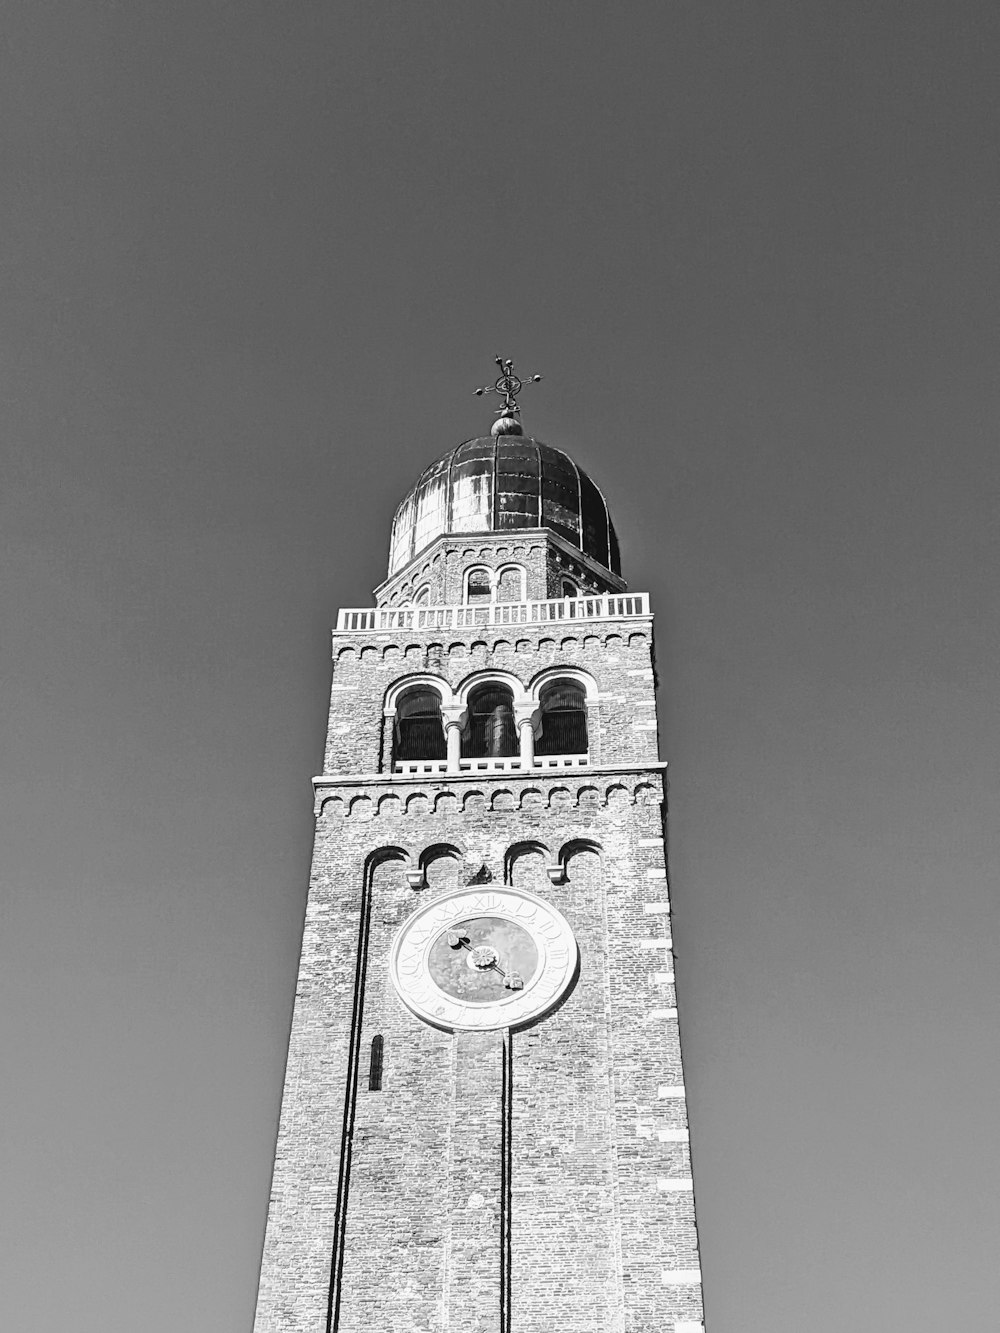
{"x": 564, "y": 719}
{"x": 510, "y": 585}
{"x": 490, "y": 731}
{"x": 569, "y": 588}
{"x": 479, "y": 587}
{"x": 422, "y": 596}
{"x": 419, "y": 729}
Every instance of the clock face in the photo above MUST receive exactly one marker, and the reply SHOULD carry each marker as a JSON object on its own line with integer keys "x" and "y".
{"x": 482, "y": 959}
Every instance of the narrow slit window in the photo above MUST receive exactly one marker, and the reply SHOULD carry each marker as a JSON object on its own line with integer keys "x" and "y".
{"x": 375, "y": 1066}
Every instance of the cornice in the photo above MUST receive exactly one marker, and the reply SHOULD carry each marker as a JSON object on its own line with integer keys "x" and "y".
{"x": 423, "y": 780}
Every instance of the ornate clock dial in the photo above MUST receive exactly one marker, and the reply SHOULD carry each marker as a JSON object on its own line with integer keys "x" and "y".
{"x": 483, "y": 959}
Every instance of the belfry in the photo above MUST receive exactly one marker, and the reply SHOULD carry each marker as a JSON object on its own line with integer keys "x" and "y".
{"x": 483, "y": 1127}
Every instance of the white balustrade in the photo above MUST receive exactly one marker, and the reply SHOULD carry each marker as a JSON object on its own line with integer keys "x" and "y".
{"x": 606, "y": 606}
{"x": 488, "y": 764}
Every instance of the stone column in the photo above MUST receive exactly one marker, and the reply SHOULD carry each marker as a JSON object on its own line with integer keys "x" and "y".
{"x": 526, "y": 734}
{"x": 453, "y": 735}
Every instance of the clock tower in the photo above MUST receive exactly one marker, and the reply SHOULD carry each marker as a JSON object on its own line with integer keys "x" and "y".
{"x": 483, "y": 1127}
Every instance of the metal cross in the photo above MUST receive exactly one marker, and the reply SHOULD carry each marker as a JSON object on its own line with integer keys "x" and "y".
{"x": 509, "y": 384}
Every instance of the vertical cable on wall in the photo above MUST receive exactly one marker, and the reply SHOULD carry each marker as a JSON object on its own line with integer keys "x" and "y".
{"x": 350, "y": 1101}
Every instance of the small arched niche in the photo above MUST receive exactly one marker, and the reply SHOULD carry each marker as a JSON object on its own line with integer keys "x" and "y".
{"x": 419, "y": 729}
{"x": 511, "y": 584}
{"x": 478, "y": 585}
{"x": 490, "y": 731}
{"x": 563, "y": 709}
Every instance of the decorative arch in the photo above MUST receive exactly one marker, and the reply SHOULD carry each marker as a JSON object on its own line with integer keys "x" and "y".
{"x": 435, "y": 852}
{"x": 518, "y": 850}
{"x": 564, "y": 700}
{"x": 414, "y": 713}
{"x": 559, "y": 873}
{"x": 551, "y": 674}
{"x": 486, "y": 677}
{"x": 382, "y": 854}
{"x": 477, "y": 585}
{"x": 420, "y": 679}
{"x": 511, "y": 584}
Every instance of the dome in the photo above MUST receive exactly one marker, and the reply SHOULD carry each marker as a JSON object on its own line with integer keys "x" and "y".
{"x": 500, "y": 483}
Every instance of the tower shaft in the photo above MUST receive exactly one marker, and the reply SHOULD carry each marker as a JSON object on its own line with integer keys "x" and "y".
{"x": 471, "y": 1139}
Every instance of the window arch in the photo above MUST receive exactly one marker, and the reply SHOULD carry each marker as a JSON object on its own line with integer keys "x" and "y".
{"x": 422, "y": 596}
{"x": 511, "y": 583}
{"x": 478, "y": 584}
{"x": 419, "y": 729}
{"x": 569, "y": 589}
{"x": 563, "y": 707}
{"x": 490, "y": 731}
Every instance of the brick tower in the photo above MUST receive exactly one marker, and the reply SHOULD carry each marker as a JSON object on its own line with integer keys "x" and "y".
{"x": 483, "y": 1127}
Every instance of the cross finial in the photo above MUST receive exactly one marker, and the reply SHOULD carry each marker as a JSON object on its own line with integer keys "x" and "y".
{"x": 508, "y": 384}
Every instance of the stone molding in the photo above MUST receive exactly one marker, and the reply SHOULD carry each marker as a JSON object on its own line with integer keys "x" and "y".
{"x": 496, "y": 546}
{"x": 541, "y": 637}
{"x": 464, "y": 793}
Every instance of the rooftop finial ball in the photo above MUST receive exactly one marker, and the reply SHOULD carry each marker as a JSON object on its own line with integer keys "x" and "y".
{"x": 506, "y": 426}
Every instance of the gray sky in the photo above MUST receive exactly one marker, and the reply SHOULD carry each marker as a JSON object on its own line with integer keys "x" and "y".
{"x": 255, "y": 259}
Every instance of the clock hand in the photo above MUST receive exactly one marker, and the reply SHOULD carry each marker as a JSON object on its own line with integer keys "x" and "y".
{"x": 459, "y": 941}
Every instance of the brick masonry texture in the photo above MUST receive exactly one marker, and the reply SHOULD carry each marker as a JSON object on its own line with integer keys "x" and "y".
{"x": 615, "y": 653}
{"x": 546, "y": 560}
{"x": 396, "y": 1201}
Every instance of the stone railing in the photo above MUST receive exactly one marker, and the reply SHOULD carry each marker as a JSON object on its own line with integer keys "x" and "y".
{"x": 606, "y": 606}
{"x": 513, "y": 764}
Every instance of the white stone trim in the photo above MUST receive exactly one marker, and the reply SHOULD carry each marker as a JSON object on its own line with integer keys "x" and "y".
{"x": 421, "y": 681}
{"x": 688, "y": 1326}
{"x": 662, "y": 1013}
{"x": 550, "y": 675}
{"x": 411, "y": 977}
{"x": 675, "y": 1134}
{"x": 674, "y": 1184}
{"x": 348, "y": 780}
{"x": 651, "y": 842}
{"x": 487, "y": 676}
{"x": 662, "y": 943}
{"x": 656, "y": 872}
{"x": 655, "y": 909}
{"x": 663, "y": 978}
{"x": 671, "y": 1091}
{"x": 681, "y": 1277}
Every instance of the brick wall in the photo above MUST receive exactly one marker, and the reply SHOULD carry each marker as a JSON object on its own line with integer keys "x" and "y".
{"x": 616, "y": 653}
{"x": 546, "y": 559}
{"x": 601, "y": 1205}
{"x": 388, "y": 1207}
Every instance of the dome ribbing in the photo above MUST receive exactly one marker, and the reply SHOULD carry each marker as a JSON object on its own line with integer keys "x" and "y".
{"x": 500, "y": 483}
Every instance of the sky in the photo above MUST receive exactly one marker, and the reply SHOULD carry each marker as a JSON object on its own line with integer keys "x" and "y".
{"x": 255, "y": 258}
